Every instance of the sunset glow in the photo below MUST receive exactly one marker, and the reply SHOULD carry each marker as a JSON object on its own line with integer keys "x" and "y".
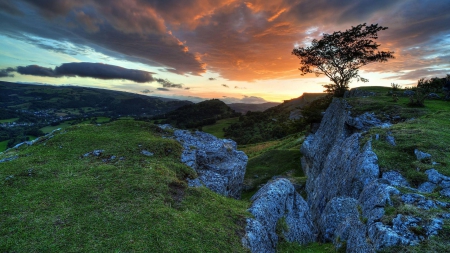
{"x": 237, "y": 51}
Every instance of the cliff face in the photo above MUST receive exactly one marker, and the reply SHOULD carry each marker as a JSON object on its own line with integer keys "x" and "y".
{"x": 347, "y": 193}
{"x": 333, "y": 161}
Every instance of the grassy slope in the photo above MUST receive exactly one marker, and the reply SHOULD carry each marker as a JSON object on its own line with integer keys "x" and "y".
{"x": 273, "y": 158}
{"x": 425, "y": 129}
{"x": 55, "y": 200}
{"x": 8, "y": 120}
{"x": 217, "y": 128}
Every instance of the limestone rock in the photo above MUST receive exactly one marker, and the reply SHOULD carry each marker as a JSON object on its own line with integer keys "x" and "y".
{"x": 275, "y": 201}
{"x": 335, "y": 213}
{"x": 374, "y": 198}
{"x": 421, "y": 155}
{"x": 395, "y": 178}
{"x": 427, "y": 187}
{"x": 218, "y": 163}
{"x": 418, "y": 200}
{"x": 390, "y": 139}
{"x": 366, "y": 121}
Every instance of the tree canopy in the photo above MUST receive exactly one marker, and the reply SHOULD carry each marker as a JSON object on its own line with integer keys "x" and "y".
{"x": 340, "y": 55}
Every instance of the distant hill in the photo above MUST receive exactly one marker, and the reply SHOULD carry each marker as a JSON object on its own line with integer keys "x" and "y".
{"x": 197, "y": 115}
{"x": 27, "y": 111}
{"x": 244, "y": 108}
{"x": 102, "y": 101}
{"x": 274, "y": 123}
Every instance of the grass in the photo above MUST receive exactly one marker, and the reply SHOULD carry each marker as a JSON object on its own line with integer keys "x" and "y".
{"x": 48, "y": 129}
{"x": 8, "y": 120}
{"x": 217, "y": 129}
{"x": 269, "y": 159}
{"x": 3, "y": 145}
{"x": 425, "y": 129}
{"x": 56, "y": 200}
{"x": 418, "y": 128}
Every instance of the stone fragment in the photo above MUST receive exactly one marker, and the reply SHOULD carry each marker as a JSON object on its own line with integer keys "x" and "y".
{"x": 395, "y": 178}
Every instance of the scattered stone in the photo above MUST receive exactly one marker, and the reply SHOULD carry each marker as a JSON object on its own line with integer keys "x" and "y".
{"x": 434, "y": 176}
{"x": 395, "y": 178}
{"x": 390, "y": 139}
{"x": 96, "y": 152}
{"x": 427, "y": 187}
{"x": 194, "y": 182}
{"x": 355, "y": 92}
{"x": 433, "y": 96}
{"x": 277, "y": 202}
{"x": 383, "y": 236}
{"x": 421, "y": 156}
{"x": 402, "y": 225}
{"x": 445, "y": 192}
{"x": 418, "y": 200}
{"x": 9, "y": 159}
{"x": 408, "y": 93}
{"x": 147, "y": 153}
{"x": 218, "y": 163}
{"x": 366, "y": 121}
{"x": 445, "y": 215}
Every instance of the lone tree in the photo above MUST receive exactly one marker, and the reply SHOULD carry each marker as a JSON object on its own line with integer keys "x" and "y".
{"x": 340, "y": 55}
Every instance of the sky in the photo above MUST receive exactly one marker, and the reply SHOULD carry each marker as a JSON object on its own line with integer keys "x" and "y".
{"x": 233, "y": 50}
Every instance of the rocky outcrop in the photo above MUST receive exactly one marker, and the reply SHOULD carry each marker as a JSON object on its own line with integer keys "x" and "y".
{"x": 278, "y": 210}
{"x": 358, "y": 93}
{"x": 218, "y": 163}
{"x": 346, "y": 195}
{"x": 333, "y": 160}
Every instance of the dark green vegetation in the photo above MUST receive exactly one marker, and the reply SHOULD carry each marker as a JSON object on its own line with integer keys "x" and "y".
{"x": 340, "y": 55}
{"x": 279, "y": 121}
{"x": 244, "y": 108}
{"x": 53, "y": 199}
{"x": 274, "y": 158}
{"x": 81, "y": 100}
{"x": 197, "y": 115}
{"x": 26, "y": 109}
{"x": 218, "y": 128}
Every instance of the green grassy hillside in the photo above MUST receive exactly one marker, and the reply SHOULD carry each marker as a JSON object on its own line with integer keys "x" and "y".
{"x": 54, "y": 199}
{"x": 197, "y": 115}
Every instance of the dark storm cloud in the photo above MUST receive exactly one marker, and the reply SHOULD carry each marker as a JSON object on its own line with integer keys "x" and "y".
{"x": 211, "y": 79}
{"x": 121, "y": 29}
{"x": 240, "y": 40}
{"x": 87, "y": 69}
{"x": 9, "y": 7}
{"x": 163, "y": 89}
{"x": 103, "y": 71}
{"x": 226, "y": 86}
{"x": 7, "y": 72}
{"x": 36, "y": 70}
{"x": 168, "y": 84}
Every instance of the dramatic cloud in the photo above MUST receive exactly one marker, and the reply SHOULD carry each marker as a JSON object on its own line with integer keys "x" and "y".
{"x": 7, "y": 72}
{"x": 168, "y": 84}
{"x": 239, "y": 40}
{"x": 226, "y": 86}
{"x": 87, "y": 69}
{"x": 163, "y": 89}
{"x": 146, "y": 91}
